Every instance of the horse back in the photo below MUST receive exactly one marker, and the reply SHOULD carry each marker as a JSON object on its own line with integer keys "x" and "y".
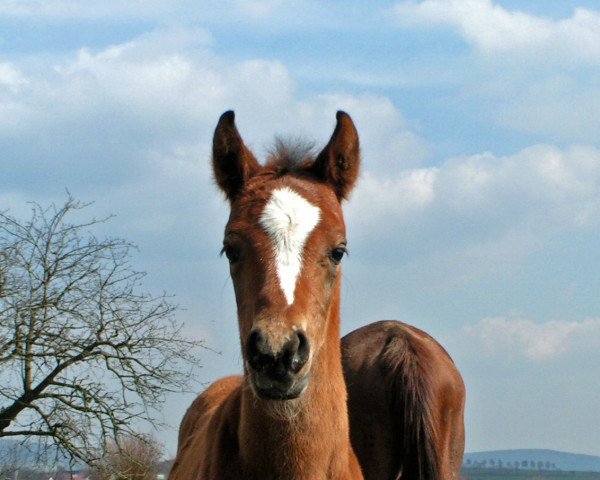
{"x": 405, "y": 403}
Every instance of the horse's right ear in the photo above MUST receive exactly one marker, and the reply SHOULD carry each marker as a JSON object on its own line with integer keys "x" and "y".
{"x": 233, "y": 163}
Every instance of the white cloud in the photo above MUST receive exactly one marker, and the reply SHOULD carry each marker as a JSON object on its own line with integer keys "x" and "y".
{"x": 393, "y": 197}
{"x": 540, "y": 187}
{"x": 12, "y": 82}
{"x": 541, "y": 184}
{"x": 11, "y": 77}
{"x": 512, "y": 338}
{"x": 121, "y": 108}
{"x": 532, "y": 74}
{"x": 474, "y": 218}
{"x": 492, "y": 28}
{"x": 112, "y": 116}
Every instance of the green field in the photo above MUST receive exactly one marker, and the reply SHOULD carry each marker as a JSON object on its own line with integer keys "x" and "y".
{"x": 510, "y": 474}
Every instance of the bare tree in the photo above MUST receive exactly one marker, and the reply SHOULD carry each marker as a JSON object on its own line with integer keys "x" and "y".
{"x": 129, "y": 458}
{"x": 84, "y": 353}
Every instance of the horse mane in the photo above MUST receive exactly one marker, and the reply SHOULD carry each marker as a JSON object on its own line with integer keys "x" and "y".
{"x": 290, "y": 155}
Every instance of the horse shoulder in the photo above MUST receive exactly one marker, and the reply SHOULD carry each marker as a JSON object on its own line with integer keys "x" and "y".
{"x": 208, "y": 417}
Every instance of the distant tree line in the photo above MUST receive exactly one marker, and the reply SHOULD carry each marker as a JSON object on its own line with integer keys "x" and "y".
{"x": 515, "y": 465}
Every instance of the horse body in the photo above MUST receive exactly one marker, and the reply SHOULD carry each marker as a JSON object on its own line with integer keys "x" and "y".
{"x": 405, "y": 402}
{"x": 287, "y": 416}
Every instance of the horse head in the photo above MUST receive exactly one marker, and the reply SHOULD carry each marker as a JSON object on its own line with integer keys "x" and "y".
{"x": 285, "y": 239}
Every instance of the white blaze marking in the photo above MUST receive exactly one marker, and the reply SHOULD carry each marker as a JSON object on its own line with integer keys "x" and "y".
{"x": 288, "y": 218}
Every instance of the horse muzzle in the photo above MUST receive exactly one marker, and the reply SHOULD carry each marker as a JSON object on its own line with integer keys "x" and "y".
{"x": 277, "y": 374}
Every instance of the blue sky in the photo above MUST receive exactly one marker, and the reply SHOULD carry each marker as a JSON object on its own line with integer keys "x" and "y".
{"x": 478, "y": 210}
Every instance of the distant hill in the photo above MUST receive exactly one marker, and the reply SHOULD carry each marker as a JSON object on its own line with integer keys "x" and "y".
{"x": 550, "y": 459}
{"x": 28, "y": 454}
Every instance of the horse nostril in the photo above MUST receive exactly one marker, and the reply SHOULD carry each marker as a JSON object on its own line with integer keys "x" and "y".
{"x": 258, "y": 350}
{"x": 302, "y": 351}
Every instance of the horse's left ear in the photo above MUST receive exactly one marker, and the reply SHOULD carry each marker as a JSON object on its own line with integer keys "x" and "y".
{"x": 339, "y": 161}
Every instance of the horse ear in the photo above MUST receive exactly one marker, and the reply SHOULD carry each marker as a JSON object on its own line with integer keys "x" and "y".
{"x": 233, "y": 163}
{"x": 339, "y": 161}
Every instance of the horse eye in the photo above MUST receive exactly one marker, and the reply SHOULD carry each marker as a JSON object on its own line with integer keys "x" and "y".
{"x": 337, "y": 254}
{"x": 231, "y": 253}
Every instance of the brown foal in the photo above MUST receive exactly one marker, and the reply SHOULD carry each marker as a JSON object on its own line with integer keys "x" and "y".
{"x": 286, "y": 418}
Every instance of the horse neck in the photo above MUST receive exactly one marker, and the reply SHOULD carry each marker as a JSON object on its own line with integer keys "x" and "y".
{"x": 309, "y": 435}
